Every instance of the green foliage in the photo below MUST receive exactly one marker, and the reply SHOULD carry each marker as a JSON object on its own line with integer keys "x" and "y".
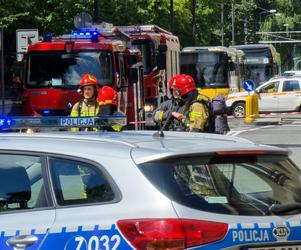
{"x": 56, "y": 16}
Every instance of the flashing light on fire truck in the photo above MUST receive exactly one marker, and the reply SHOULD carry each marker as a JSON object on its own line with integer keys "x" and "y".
{"x": 23, "y": 122}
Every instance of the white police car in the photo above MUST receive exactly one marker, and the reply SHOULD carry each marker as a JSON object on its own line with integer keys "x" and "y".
{"x": 133, "y": 190}
{"x": 280, "y": 94}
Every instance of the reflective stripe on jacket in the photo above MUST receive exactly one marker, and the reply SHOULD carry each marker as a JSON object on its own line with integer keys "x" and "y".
{"x": 198, "y": 114}
{"x": 84, "y": 108}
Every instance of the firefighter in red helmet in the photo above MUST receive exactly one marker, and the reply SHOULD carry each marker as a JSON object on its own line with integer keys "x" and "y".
{"x": 107, "y": 101}
{"x": 88, "y": 105}
{"x": 196, "y": 113}
{"x": 164, "y": 115}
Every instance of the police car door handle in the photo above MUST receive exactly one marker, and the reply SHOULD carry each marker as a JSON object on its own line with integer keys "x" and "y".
{"x": 21, "y": 242}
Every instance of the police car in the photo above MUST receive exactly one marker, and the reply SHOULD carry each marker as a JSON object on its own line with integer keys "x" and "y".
{"x": 279, "y": 94}
{"x": 145, "y": 190}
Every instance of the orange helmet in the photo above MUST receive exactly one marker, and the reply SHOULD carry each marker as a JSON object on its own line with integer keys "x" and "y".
{"x": 88, "y": 79}
{"x": 183, "y": 84}
{"x": 107, "y": 95}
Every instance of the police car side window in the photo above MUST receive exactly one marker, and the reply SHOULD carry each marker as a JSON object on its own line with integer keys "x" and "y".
{"x": 21, "y": 183}
{"x": 292, "y": 85}
{"x": 270, "y": 88}
{"x": 77, "y": 182}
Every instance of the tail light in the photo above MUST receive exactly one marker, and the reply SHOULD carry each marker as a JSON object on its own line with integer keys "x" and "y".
{"x": 171, "y": 234}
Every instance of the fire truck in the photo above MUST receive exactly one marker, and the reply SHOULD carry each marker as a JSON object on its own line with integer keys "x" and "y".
{"x": 160, "y": 56}
{"x": 55, "y": 65}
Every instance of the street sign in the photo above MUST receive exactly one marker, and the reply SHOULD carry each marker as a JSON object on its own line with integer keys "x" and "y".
{"x": 24, "y": 38}
{"x": 249, "y": 85}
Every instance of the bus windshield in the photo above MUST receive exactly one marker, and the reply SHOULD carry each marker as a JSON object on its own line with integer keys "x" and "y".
{"x": 209, "y": 69}
{"x": 259, "y": 73}
{"x": 57, "y": 69}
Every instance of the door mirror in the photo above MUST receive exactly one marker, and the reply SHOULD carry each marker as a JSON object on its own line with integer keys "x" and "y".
{"x": 162, "y": 48}
{"x": 132, "y": 59}
{"x": 161, "y": 60}
{"x": 133, "y": 75}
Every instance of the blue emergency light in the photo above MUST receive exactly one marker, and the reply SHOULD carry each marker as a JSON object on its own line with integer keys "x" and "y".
{"x": 47, "y": 37}
{"x": 92, "y": 34}
{"x": 4, "y": 122}
{"x": 20, "y": 122}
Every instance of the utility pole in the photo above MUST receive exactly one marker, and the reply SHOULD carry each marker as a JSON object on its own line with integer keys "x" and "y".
{"x": 222, "y": 21}
{"x": 171, "y": 17}
{"x": 2, "y": 72}
{"x": 96, "y": 11}
{"x": 193, "y": 22}
{"x": 233, "y": 23}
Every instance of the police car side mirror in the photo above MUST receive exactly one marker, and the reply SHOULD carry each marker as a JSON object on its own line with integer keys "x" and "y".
{"x": 132, "y": 75}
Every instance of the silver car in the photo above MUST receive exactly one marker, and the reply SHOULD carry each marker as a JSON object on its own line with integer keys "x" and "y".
{"x": 133, "y": 190}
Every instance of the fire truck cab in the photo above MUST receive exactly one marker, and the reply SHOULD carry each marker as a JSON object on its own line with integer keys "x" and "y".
{"x": 55, "y": 65}
{"x": 160, "y": 56}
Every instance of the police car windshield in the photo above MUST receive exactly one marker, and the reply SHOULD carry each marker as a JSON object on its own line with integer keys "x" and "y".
{"x": 209, "y": 69}
{"x": 237, "y": 185}
{"x": 58, "y": 69}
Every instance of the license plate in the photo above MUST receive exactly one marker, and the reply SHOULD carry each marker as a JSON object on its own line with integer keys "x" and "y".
{"x": 295, "y": 247}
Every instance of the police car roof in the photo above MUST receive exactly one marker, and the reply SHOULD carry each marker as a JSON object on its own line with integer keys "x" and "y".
{"x": 142, "y": 145}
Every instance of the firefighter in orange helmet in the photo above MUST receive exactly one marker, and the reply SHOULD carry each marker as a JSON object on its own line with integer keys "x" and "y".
{"x": 88, "y": 105}
{"x": 107, "y": 101}
{"x": 196, "y": 117}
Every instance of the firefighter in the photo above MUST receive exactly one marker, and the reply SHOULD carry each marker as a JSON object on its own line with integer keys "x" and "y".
{"x": 165, "y": 114}
{"x": 107, "y": 101}
{"x": 88, "y": 106}
{"x": 196, "y": 112}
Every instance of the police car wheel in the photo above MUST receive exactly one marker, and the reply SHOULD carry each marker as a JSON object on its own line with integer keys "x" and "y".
{"x": 239, "y": 109}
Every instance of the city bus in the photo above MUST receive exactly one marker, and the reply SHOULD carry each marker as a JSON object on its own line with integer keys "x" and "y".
{"x": 261, "y": 62}
{"x": 216, "y": 70}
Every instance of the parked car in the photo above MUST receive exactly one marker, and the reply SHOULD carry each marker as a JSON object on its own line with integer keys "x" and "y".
{"x": 134, "y": 190}
{"x": 279, "y": 94}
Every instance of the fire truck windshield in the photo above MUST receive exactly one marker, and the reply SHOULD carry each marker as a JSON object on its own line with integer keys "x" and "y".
{"x": 209, "y": 69}
{"x": 59, "y": 70}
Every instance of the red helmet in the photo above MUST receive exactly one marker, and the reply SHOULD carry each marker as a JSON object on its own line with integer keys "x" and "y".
{"x": 182, "y": 83}
{"x": 107, "y": 95}
{"x": 88, "y": 79}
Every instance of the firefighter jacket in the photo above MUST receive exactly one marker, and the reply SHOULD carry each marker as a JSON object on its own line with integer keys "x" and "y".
{"x": 163, "y": 115}
{"x": 85, "y": 108}
{"x": 198, "y": 114}
{"x": 111, "y": 110}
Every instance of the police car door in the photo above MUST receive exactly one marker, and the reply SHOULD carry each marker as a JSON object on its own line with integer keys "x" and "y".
{"x": 268, "y": 100}
{"x": 25, "y": 208}
{"x": 86, "y": 199}
{"x": 289, "y": 98}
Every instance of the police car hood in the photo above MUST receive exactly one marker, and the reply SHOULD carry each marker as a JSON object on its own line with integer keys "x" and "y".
{"x": 184, "y": 144}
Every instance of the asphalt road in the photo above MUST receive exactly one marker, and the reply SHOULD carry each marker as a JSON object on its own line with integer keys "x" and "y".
{"x": 286, "y": 135}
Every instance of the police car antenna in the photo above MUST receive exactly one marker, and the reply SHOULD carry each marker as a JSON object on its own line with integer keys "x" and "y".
{"x": 162, "y": 127}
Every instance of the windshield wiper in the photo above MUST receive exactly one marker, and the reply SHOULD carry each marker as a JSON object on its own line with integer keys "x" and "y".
{"x": 285, "y": 208}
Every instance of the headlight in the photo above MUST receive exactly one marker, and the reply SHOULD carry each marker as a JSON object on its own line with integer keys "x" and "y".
{"x": 149, "y": 108}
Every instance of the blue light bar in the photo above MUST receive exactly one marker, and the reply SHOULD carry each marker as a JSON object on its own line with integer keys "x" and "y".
{"x": 46, "y": 111}
{"x": 19, "y": 122}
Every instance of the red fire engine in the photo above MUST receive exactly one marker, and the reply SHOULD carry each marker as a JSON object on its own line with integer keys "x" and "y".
{"x": 55, "y": 65}
{"x": 160, "y": 56}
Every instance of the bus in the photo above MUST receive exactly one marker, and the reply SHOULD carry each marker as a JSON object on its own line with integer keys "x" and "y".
{"x": 216, "y": 70}
{"x": 261, "y": 62}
